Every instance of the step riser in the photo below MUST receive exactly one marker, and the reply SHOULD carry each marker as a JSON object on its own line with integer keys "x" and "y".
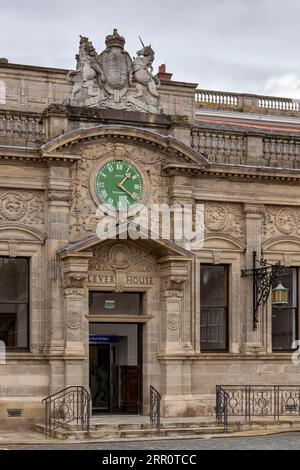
{"x": 145, "y": 431}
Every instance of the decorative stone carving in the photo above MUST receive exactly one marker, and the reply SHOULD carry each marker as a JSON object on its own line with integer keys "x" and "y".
{"x": 173, "y": 321}
{"x": 216, "y": 257}
{"x": 287, "y": 259}
{"x": 13, "y": 250}
{"x": 73, "y": 279}
{"x": 83, "y": 216}
{"x": 286, "y": 221}
{"x": 225, "y": 218}
{"x": 279, "y": 220}
{"x": 119, "y": 256}
{"x": 73, "y": 292}
{"x": 174, "y": 284}
{"x": 107, "y": 80}
{"x": 65, "y": 196}
{"x": 22, "y": 206}
{"x": 73, "y": 320}
{"x": 254, "y": 209}
{"x": 116, "y": 256}
{"x": 120, "y": 280}
{"x": 216, "y": 217}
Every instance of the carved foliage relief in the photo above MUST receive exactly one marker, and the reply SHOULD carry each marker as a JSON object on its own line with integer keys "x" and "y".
{"x": 83, "y": 208}
{"x": 280, "y": 220}
{"x": 115, "y": 255}
{"x": 225, "y": 218}
{"x": 22, "y": 206}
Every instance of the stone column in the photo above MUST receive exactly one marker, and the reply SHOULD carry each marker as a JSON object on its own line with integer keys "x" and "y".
{"x": 75, "y": 272}
{"x": 175, "y": 366}
{"x": 253, "y": 338}
{"x": 59, "y": 198}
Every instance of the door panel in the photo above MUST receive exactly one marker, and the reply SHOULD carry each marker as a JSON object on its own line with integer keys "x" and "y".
{"x": 129, "y": 389}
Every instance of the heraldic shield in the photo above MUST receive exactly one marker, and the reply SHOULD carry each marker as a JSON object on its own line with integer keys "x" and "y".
{"x": 116, "y": 65}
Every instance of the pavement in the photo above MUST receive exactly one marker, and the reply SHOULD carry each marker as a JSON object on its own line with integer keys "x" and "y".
{"x": 286, "y": 441}
{"x": 37, "y": 441}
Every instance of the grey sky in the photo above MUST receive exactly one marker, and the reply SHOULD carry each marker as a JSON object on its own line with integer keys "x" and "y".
{"x": 233, "y": 45}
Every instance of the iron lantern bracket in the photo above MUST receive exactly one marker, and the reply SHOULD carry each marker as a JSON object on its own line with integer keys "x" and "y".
{"x": 263, "y": 278}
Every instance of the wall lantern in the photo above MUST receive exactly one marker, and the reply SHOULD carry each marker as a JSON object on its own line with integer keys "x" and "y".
{"x": 280, "y": 295}
{"x": 263, "y": 276}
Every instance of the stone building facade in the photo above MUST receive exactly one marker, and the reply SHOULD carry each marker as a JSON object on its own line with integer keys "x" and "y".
{"x": 121, "y": 315}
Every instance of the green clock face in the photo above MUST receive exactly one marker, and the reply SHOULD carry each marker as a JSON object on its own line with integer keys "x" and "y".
{"x": 119, "y": 185}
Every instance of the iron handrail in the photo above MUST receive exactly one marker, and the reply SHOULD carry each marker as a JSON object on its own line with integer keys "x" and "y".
{"x": 70, "y": 405}
{"x": 155, "y": 399}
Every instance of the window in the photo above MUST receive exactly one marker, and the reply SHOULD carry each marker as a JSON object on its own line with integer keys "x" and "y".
{"x": 109, "y": 303}
{"x": 14, "y": 287}
{"x": 214, "y": 307}
{"x": 285, "y": 317}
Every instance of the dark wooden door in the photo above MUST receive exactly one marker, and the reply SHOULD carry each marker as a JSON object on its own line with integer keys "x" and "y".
{"x": 129, "y": 389}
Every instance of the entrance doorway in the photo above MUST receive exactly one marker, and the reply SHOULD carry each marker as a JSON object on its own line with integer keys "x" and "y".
{"x": 115, "y": 367}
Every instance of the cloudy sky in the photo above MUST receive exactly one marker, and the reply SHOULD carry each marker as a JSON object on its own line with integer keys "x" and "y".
{"x": 232, "y": 45}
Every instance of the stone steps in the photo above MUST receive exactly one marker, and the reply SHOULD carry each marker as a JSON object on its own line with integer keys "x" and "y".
{"x": 131, "y": 431}
{"x": 181, "y": 429}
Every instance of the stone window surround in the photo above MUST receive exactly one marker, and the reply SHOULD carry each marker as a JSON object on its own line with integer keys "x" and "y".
{"x": 32, "y": 250}
{"x": 233, "y": 259}
{"x": 288, "y": 259}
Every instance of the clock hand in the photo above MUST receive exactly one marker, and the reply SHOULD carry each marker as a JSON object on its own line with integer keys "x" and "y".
{"x": 127, "y": 176}
{"x": 133, "y": 196}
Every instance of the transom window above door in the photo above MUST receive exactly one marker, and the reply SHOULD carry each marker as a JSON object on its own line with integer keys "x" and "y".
{"x": 110, "y": 303}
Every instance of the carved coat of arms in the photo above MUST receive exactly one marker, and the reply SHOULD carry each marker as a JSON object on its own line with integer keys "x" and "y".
{"x": 112, "y": 79}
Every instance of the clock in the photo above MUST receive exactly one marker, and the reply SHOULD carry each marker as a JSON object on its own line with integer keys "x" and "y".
{"x": 119, "y": 185}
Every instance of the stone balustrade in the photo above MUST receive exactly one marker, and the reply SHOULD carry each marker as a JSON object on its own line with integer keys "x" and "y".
{"x": 210, "y": 99}
{"x": 18, "y": 127}
{"x": 225, "y": 147}
{"x": 220, "y": 147}
{"x": 281, "y": 152}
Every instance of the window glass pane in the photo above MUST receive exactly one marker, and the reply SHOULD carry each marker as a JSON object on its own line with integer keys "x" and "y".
{"x": 284, "y": 317}
{"x": 108, "y": 303}
{"x": 13, "y": 279}
{"x": 213, "y": 285}
{"x": 214, "y": 308}
{"x": 13, "y": 325}
{"x": 213, "y": 329}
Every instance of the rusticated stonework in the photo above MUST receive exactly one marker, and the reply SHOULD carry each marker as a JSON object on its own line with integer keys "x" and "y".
{"x": 128, "y": 256}
{"x": 84, "y": 218}
{"x": 22, "y": 206}
{"x": 224, "y": 217}
{"x": 280, "y": 220}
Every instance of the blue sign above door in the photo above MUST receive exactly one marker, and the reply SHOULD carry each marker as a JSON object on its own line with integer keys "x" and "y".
{"x": 97, "y": 339}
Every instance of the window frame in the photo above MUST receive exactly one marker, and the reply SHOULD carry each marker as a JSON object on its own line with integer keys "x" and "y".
{"x": 225, "y": 307}
{"x": 28, "y": 303}
{"x": 290, "y": 350}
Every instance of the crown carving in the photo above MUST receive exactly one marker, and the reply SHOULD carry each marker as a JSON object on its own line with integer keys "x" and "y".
{"x": 115, "y": 40}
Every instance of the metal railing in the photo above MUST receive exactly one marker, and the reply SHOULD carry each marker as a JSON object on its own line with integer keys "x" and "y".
{"x": 155, "y": 399}
{"x": 69, "y": 406}
{"x": 248, "y": 401}
{"x": 222, "y": 407}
